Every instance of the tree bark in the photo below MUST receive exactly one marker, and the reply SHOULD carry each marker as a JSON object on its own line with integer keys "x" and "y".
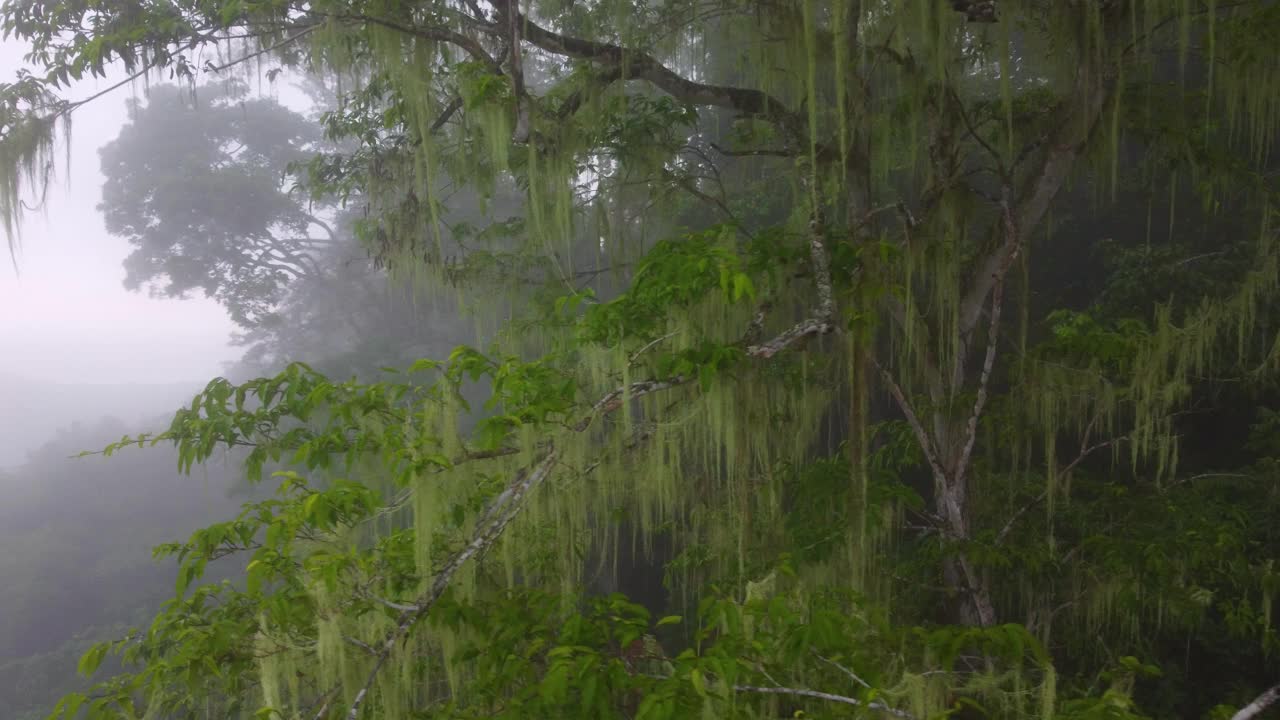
{"x": 1259, "y": 704}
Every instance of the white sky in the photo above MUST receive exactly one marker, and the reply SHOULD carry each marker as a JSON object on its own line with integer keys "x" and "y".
{"x": 64, "y": 315}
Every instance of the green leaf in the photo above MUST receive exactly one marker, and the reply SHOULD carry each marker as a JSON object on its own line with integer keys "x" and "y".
{"x": 92, "y": 659}
{"x": 185, "y": 575}
{"x": 68, "y": 706}
{"x": 254, "y": 574}
{"x": 699, "y": 682}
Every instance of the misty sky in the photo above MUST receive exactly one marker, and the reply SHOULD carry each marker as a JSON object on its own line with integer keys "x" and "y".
{"x": 65, "y": 316}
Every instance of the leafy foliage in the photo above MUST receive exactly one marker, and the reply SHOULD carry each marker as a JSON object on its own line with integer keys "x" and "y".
{"x": 869, "y": 502}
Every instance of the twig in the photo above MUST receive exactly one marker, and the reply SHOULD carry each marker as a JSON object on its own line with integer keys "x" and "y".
{"x": 449, "y": 111}
{"x": 922, "y": 436}
{"x": 829, "y": 697}
{"x": 759, "y": 152}
{"x": 843, "y": 669}
{"x": 262, "y": 51}
{"x": 631, "y": 359}
{"x": 973, "y": 131}
{"x": 1205, "y": 476}
{"x": 398, "y": 607}
{"x": 1013, "y": 519}
{"x": 323, "y": 701}
{"x": 360, "y": 644}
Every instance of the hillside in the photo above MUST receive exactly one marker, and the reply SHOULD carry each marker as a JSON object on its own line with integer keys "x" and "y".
{"x": 33, "y": 411}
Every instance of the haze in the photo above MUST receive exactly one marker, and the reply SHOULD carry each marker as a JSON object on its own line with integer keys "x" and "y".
{"x": 67, "y": 321}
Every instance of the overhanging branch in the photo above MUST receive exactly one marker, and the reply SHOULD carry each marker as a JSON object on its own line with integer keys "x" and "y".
{"x": 643, "y": 66}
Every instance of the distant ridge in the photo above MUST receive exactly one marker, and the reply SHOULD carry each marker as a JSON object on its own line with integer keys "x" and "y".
{"x": 33, "y": 411}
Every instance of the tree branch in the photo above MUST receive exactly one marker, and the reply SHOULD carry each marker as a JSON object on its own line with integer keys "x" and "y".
{"x": 1064, "y": 145}
{"x": 438, "y": 34}
{"x": 641, "y": 65}
{"x": 445, "y": 115}
{"x": 210, "y": 67}
{"x": 758, "y": 152}
{"x": 821, "y": 322}
{"x": 1012, "y": 239}
{"x": 922, "y": 436}
{"x": 849, "y": 673}
{"x": 982, "y": 11}
{"x": 498, "y": 516}
{"x": 520, "y": 133}
{"x": 1259, "y": 704}
{"x": 614, "y": 400}
{"x": 817, "y": 695}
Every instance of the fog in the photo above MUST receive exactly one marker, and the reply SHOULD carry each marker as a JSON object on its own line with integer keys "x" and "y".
{"x": 84, "y": 360}
{"x": 74, "y": 343}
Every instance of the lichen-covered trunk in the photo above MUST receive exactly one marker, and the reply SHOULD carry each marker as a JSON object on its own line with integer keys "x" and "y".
{"x": 966, "y": 583}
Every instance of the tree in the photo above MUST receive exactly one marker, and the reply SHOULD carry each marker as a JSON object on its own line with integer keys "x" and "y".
{"x": 203, "y": 183}
{"x": 845, "y": 192}
{"x": 196, "y": 183}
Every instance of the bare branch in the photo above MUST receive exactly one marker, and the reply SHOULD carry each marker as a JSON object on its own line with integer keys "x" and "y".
{"x": 360, "y": 644}
{"x": 849, "y": 673}
{"x": 631, "y": 359}
{"x": 760, "y": 152}
{"x": 398, "y": 607}
{"x": 805, "y": 328}
{"x": 973, "y": 132}
{"x": 262, "y": 51}
{"x": 922, "y": 436}
{"x": 818, "y": 695}
{"x": 445, "y": 115}
{"x": 436, "y": 33}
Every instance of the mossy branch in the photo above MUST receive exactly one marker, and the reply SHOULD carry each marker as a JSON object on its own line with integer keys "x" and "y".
{"x": 499, "y": 514}
{"x": 641, "y": 65}
{"x": 821, "y": 322}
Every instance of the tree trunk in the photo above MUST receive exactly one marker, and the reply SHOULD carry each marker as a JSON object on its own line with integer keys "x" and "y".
{"x": 974, "y": 606}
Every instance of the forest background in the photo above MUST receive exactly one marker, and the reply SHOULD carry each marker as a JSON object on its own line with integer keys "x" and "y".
{"x": 909, "y": 359}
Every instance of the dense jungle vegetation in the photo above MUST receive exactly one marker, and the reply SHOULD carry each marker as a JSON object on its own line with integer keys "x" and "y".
{"x": 700, "y": 358}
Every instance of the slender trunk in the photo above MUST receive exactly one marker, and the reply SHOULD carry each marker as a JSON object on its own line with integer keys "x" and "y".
{"x": 973, "y": 597}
